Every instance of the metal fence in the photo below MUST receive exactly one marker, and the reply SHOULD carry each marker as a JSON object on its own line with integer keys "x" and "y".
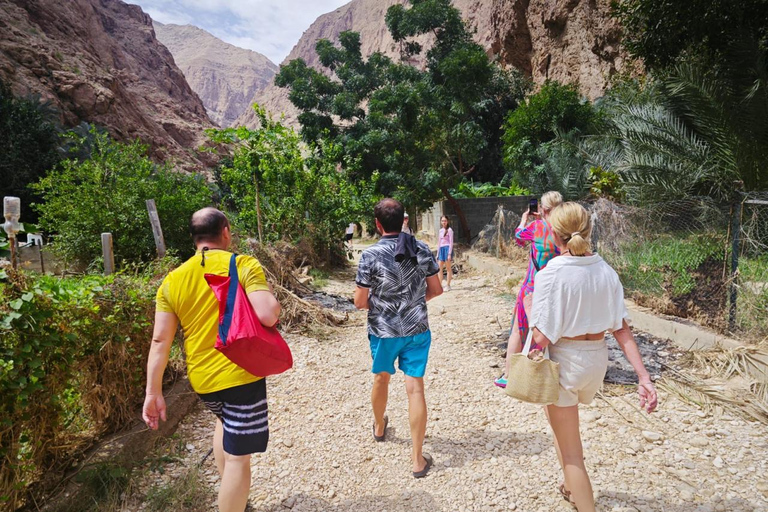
{"x": 693, "y": 258}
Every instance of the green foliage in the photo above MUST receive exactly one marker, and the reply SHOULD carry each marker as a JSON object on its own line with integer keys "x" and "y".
{"x": 664, "y": 266}
{"x": 605, "y": 184}
{"x": 694, "y": 131}
{"x": 107, "y": 193}
{"x": 662, "y": 32}
{"x": 283, "y": 195}
{"x": 28, "y": 147}
{"x": 422, "y": 131}
{"x": 188, "y": 493}
{"x": 556, "y": 108}
{"x": 72, "y": 359}
{"x": 470, "y": 189}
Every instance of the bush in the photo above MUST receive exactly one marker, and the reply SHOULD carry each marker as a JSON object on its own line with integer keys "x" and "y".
{"x": 28, "y": 147}
{"x": 556, "y": 108}
{"x": 281, "y": 194}
{"x": 107, "y": 193}
{"x": 72, "y": 359}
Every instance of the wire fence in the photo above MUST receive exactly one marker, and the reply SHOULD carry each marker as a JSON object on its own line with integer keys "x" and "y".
{"x": 693, "y": 258}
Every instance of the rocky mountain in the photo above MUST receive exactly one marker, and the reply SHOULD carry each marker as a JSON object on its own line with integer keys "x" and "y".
{"x": 99, "y": 61}
{"x": 226, "y": 78}
{"x": 572, "y": 41}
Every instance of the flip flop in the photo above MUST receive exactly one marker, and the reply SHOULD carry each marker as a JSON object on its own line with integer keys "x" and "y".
{"x": 383, "y": 436}
{"x": 421, "y": 474}
{"x": 567, "y": 495}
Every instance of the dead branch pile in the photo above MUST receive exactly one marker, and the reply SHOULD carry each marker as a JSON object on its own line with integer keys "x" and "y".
{"x": 280, "y": 270}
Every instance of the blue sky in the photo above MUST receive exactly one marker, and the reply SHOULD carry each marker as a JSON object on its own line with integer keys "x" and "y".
{"x": 270, "y": 27}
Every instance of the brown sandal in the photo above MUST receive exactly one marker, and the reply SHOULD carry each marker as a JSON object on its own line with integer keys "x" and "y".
{"x": 567, "y": 495}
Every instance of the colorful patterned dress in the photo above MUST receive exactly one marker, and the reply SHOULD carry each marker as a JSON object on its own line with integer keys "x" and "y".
{"x": 543, "y": 249}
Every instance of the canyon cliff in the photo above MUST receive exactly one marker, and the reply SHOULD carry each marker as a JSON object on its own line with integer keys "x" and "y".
{"x": 226, "y": 78}
{"x": 98, "y": 61}
{"x": 572, "y": 41}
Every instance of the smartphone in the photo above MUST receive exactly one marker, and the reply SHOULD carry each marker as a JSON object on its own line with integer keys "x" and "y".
{"x": 533, "y": 206}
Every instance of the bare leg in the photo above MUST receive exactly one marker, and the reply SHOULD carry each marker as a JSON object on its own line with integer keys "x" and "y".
{"x": 514, "y": 343}
{"x": 440, "y": 265}
{"x": 379, "y": 396}
{"x": 449, "y": 264}
{"x": 417, "y": 415}
{"x": 565, "y": 425}
{"x": 235, "y": 483}
{"x": 218, "y": 447}
{"x": 235, "y": 473}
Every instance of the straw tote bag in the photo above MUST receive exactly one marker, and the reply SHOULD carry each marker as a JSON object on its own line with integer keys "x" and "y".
{"x": 242, "y": 338}
{"x": 535, "y": 382}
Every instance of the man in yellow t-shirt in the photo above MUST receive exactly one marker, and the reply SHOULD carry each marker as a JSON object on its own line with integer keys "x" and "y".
{"x": 235, "y": 396}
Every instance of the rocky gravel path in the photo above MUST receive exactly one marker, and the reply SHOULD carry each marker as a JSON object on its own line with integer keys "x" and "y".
{"x": 491, "y": 452}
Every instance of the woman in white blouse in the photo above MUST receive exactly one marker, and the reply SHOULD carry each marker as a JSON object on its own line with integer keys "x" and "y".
{"x": 578, "y": 297}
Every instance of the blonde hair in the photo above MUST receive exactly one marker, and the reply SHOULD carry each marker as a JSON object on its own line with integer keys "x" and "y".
{"x": 551, "y": 200}
{"x": 573, "y": 225}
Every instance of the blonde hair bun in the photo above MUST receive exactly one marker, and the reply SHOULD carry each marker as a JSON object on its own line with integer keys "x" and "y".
{"x": 573, "y": 225}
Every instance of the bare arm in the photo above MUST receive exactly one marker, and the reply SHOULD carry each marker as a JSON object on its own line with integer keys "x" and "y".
{"x": 361, "y": 297}
{"x": 266, "y": 306}
{"x": 646, "y": 390}
{"x": 434, "y": 288}
{"x": 540, "y": 339}
{"x": 162, "y": 339}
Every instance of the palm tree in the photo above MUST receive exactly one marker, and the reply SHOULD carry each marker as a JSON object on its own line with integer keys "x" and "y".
{"x": 694, "y": 131}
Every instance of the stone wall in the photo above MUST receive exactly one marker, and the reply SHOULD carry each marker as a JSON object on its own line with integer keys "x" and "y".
{"x": 478, "y": 211}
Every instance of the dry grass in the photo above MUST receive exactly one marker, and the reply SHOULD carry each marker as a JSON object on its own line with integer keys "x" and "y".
{"x": 729, "y": 378}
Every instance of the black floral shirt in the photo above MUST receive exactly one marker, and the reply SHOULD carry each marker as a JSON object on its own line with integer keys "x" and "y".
{"x": 397, "y": 297}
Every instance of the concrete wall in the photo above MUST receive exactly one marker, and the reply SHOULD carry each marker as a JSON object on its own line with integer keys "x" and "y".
{"x": 478, "y": 211}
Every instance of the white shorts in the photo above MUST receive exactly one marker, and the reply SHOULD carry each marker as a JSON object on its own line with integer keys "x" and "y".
{"x": 582, "y": 369}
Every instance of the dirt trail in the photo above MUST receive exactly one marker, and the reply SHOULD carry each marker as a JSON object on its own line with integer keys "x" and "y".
{"x": 491, "y": 452}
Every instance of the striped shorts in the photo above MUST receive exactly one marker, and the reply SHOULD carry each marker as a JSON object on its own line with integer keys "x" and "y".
{"x": 243, "y": 413}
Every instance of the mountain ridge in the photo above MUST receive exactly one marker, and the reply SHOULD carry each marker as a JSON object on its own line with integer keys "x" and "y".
{"x": 98, "y": 61}
{"x": 225, "y": 77}
{"x": 572, "y": 41}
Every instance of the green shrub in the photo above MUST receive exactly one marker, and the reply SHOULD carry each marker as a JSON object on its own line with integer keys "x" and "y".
{"x": 28, "y": 147}
{"x": 281, "y": 194}
{"x": 107, "y": 193}
{"x": 556, "y": 108}
{"x": 72, "y": 359}
{"x": 470, "y": 189}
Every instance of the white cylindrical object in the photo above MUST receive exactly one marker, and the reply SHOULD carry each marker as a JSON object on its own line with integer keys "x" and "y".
{"x": 12, "y": 208}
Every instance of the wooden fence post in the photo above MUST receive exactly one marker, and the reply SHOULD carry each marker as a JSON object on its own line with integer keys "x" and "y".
{"x": 157, "y": 230}
{"x": 108, "y": 253}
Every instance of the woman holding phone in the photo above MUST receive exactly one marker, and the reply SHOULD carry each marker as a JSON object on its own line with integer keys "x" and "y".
{"x": 536, "y": 231}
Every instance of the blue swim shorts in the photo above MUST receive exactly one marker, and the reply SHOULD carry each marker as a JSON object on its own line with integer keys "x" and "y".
{"x": 443, "y": 253}
{"x": 411, "y": 353}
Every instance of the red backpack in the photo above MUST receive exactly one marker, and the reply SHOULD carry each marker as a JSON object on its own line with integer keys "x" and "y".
{"x": 260, "y": 350}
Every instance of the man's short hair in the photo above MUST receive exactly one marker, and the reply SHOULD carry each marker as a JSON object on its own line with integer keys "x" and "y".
{"x": 207, "y": 225}
{"x": 390, "y": 214}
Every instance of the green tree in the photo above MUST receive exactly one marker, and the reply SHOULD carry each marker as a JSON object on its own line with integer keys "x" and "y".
{"x": 423, "y": 131}
{"x": 281, "y": 194}
{"x": 555, "y": 108}
{"x": 661, "y": 32}
{"x": 28, "y": 147}
{"x": 695, "y": 131}
{"x": 107, "y": 193}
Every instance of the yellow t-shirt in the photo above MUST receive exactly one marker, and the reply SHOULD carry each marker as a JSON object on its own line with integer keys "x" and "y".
{"x": 185, "y": 293}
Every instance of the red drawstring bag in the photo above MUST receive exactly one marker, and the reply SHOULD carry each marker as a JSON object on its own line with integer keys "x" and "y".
{"x": 242, "y": 338}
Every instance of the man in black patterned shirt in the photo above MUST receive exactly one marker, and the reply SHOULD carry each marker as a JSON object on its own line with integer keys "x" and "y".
{"x": 395, "y": 295}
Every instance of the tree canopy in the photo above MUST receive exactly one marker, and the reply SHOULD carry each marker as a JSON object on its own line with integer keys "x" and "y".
{"x": 423, "y": 131}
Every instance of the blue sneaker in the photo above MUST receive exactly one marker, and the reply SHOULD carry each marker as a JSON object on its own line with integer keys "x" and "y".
{"x": 501, "y": 382}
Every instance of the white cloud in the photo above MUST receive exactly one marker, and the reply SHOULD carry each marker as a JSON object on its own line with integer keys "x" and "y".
{"x": 270, "y": 27}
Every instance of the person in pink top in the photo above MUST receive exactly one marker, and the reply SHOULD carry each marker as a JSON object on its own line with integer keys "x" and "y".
{"x": 445, "y": 250}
